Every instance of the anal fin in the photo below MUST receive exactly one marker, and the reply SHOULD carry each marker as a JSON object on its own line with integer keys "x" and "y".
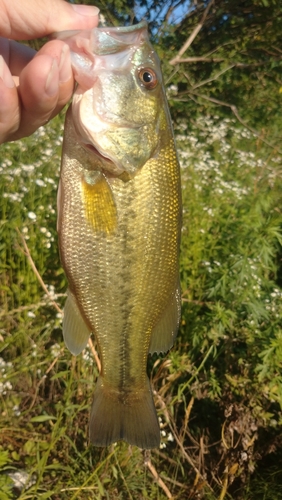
{"x": 164, "y": 333}
{"x": 75, "y": 331}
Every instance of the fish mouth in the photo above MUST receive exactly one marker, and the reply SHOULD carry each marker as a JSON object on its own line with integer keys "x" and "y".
{"x": 107, "y": 166}
{"x": 96, "y": 152}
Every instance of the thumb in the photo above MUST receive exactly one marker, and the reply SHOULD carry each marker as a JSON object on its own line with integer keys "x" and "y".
{"x": 30, "y": 19}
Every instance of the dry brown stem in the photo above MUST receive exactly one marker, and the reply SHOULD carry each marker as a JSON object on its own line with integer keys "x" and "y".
{"x": 95, "y": 354}
{"x": 34, "y": 268}
{"x": 193, "y": 35}
{"x": 152, "y": 469}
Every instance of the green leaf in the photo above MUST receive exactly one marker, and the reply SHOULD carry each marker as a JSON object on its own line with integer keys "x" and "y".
{"x": 43, "y": 418}
{"x": 47, "y": 494}
{"x": 4, "y": 458}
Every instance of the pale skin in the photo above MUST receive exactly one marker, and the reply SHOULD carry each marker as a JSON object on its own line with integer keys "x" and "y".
{"x": 35, "y": 86}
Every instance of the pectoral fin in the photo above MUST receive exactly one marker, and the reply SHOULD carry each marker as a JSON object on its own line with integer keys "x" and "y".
{"x": 76, "y": 332}
{"x": 99, "y": 204}
{"x": 164, "y": 333}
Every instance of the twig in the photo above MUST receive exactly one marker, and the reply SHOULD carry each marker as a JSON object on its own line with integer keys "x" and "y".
{"x": 186, "y": 384}
{"x": 191, "y": 301}
{"x": 186, "y": 419}
{"x": 224, "y": 486}
{"x": 193, "y": 35}
{"x": 152, "y": 469}
{"x": 174, "y": 72}
{"x": 31, "y": 261}
{"x": 236, "y": 113}
{"x": 195, "y": 59}
{"x": 222, "y": 59}
{"x": 197, "y": 302}
{"x": 216, "y": 49}
{"x": 175, "y": 435}
{"x": 202, "y": 453}
{"x": 43, "y": 378}
{"x": 28, "y": 307}
{"x": 95, "y": 354}
{"x": 278, "y": 49}
{"x": 79, "y": 488}
{"x": 184, "y": 453}
{"x": 215, "y": 77}
{"x": 176, "y": 483}
{"x": 123, "y": 478}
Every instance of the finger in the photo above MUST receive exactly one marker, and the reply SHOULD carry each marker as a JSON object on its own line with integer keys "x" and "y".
{"x": 38, "y": 90}
{"x": 16, "y": 55}
{"x": 9, "y": 103}
{"x": 37, "y": 18}
{"x": 60, "y": 51}
{"x": 46, "y": 84}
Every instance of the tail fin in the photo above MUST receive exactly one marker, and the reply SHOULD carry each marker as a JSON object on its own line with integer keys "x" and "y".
{"x": 134, "y": 421}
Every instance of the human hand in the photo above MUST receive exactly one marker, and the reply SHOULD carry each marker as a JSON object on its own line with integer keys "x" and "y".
{"x": 34, "y": 87}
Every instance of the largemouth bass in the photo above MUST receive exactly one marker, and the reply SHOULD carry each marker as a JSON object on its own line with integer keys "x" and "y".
{"x": 119, "y": 216}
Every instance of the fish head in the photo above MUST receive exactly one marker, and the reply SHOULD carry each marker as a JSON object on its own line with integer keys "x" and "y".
{"x": 119, "y": 106}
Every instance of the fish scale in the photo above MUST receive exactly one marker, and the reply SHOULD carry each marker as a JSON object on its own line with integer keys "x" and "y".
{"x": 119, "y": 235}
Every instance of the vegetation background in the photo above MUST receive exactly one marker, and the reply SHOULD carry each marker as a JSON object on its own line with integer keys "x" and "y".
{"x": 218, "y": 392}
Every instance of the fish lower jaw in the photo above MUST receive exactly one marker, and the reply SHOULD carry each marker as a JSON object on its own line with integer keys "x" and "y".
{"x": 108, "y": 166}
{"x": 96, "y": 152}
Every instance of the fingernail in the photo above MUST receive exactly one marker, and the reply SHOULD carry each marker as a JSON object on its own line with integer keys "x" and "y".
{"x": 65, "y": 71}
{"x": 86, "y": 10}
{"x": 52, "y": 82}
{"x": 5, "y": 74}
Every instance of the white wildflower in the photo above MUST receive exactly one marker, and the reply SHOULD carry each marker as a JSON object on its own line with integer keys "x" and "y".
{"x": 55, "y": 350}
{"x": 34, "y": 350}
{"x": 48, "y": 152}
{"x": 51, "y": 181}
{"x": 31, "y": 215}
{"x": 27, "y": 168}
{"x": 5, "y": 386}
{"x": 16, "y": 410}
{"x": 40, "y": 183}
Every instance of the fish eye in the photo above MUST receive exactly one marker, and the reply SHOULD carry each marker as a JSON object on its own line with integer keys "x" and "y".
{"x": 148, "y": 78}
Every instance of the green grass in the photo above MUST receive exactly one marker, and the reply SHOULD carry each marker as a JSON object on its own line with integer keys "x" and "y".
{"x": 218, "y": 392}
